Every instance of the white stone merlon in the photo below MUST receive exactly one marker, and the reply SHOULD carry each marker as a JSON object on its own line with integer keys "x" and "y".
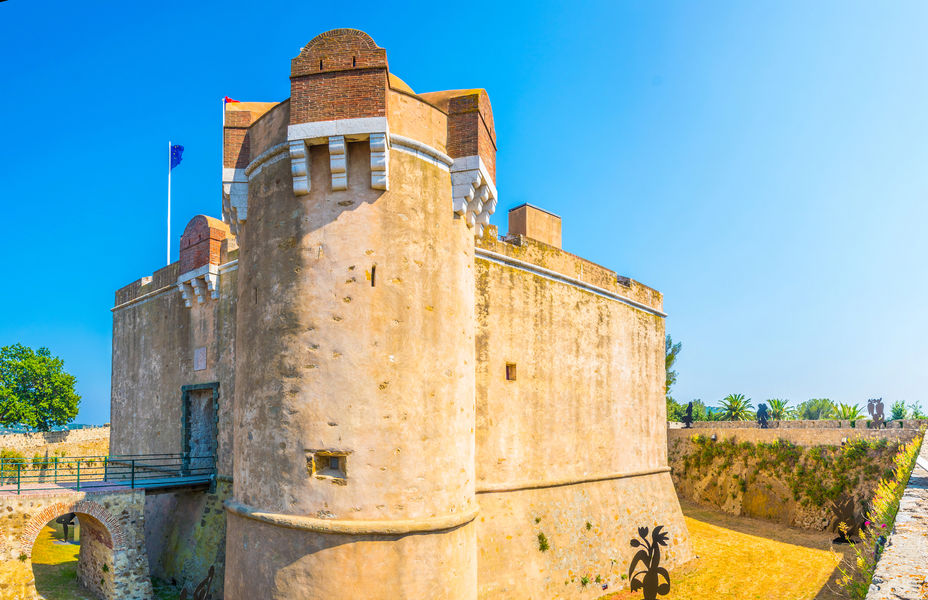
{"x": 380, "y": 161}
{"x": 201, "y": 283}
{"x": 473, "y": 192}
{"x": 234, "y": 197}
{"x": 336, "y": 134}
{"x": 338, "y": 162}
{"x": 299, "y": 167}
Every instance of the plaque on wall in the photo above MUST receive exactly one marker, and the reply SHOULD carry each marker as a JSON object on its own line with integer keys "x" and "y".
{"x": 199, "y": 359}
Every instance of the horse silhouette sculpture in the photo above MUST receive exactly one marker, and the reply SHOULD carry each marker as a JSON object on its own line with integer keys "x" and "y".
{"x": 762, "y": 415}
{"x": 875, "y": 408}
{"x": 202, "y": 590}
{"x": 653, "y": 579}
{"x": 688, "y": 417}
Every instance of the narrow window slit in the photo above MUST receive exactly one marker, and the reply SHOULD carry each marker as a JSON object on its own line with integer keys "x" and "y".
{"x": 373, "y": 275}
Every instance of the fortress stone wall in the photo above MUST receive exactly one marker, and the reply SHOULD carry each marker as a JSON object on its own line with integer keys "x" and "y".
{"x": 403, "y": 402}
{"x": 90, "y": 441}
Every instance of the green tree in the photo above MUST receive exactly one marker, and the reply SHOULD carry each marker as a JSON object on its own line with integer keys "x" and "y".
{"x": 780, "y": 409}
{"x": 735, "y": 407}
{"x": 671, "y": 351}
{"x": 848, "y": 412}
{"x": 700, "y": 412}
{"x": 916, "y": 409}
{"x": 816, "y": 409}
{"x": 35, "y": 391}
{"x": 675, "y": 411}
{"x": 899, "y": 410}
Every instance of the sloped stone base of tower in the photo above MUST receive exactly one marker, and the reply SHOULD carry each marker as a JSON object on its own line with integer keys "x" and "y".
{"x": 511, "y": 563}
{"x": 282, "y": 563}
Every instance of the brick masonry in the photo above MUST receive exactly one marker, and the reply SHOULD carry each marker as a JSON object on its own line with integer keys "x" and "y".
{"x": 340, "y": 74}
{"x": 201, "y": 243}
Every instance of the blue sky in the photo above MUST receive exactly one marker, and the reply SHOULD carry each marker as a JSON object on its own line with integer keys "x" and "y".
{"x": 763, "y": 164}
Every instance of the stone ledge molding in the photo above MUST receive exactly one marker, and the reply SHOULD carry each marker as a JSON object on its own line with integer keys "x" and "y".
{"x": 421, "y": 151}
{"x": 198, "y": 283}
{"x": 235, "y": 186}
{"x": 515, "y": 263}
{"x": 354, "y": 527}
{"x": 473, "y": 193}
{"x": 495, "y": 488}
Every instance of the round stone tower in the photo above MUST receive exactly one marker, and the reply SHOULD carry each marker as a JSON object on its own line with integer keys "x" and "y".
{"x": 354, "y": 358}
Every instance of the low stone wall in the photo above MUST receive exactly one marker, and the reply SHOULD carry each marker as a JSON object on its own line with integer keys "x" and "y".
{"x": 825, "y": 436}
{"x": 913, "y": 424}
{"x": 903, "y": 569}
{"x": 92, "y": 441}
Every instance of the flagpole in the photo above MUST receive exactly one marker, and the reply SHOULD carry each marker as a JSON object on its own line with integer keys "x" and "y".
{"x": 169, "y": 202}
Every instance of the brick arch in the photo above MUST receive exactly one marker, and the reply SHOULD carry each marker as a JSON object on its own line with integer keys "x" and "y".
{"x": 338, "y": 38}
{"x": 86, "y": 507}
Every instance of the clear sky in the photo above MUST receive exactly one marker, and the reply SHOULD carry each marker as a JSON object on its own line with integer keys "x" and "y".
{"x": 763, "y": 164}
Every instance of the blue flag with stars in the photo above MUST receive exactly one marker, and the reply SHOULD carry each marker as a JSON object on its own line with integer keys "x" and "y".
{"x": 176, "y": 153}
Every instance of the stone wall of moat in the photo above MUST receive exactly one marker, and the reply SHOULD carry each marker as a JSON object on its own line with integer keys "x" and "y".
{"x": 805, "y": 478}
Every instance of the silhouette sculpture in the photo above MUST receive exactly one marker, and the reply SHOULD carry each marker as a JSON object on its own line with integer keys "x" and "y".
{"x": 762, "y": 415}
{"x": 846, "y": 519}
{"x": 202, "y": 591}
{"x": 875, "y": 408}
{"x": 688, "y": 417}
{"x": 649, "y": 579}
{"x": 65, "y": 521}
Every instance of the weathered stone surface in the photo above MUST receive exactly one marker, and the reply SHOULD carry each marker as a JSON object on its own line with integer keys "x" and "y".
{"x": 91, "y": 441}
{"x": 902, "y": 573}
{"x": 112, "y": 535}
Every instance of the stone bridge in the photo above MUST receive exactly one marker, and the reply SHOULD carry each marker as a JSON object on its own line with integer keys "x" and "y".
{"x": 112, "y": 561}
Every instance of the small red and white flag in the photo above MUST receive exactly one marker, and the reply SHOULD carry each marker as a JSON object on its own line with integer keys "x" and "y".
{"x": 227, "y": 100}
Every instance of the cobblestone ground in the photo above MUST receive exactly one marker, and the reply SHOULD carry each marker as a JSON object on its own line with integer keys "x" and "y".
{"x": 902, "y": 573}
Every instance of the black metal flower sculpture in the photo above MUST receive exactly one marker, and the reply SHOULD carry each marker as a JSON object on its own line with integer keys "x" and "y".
{"x": 202, "y": 591}
{"x": 762, "y": 415}
{"x": 653, "y": 579}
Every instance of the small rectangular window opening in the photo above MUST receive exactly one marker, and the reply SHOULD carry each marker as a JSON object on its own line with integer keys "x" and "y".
{"x": 373, "y": 274}
{"x": 354, "y": 61}
{"x": 320, "y": 64}
{"x": 329, "y": 465}
{"x": 510, "y": 371}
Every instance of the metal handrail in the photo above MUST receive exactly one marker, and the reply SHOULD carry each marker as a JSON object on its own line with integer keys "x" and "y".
{"x": 136, "y": 470}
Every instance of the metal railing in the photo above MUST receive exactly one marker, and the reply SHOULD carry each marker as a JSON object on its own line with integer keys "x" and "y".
{"x": 85, "y": 472}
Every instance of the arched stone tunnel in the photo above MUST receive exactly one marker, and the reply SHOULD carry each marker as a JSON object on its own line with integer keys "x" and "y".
{"x": 112, "y": 563}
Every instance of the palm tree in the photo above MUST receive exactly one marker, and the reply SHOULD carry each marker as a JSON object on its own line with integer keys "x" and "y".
{"x": 816, "y": 409}
{"x": 735, "y": 407}
{"x": 848, "y": 412}
{"x": 780, "y": 409}
{"x": 671, "y": 351}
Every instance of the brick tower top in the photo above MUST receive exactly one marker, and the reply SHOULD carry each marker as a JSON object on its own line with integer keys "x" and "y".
{"x": 339, "y": 74}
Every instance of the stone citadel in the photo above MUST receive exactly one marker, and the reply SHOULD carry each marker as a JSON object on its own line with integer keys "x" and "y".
{"x": 400, "y": 403}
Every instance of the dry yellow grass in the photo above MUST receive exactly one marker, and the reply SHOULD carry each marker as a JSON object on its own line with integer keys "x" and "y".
{"x": 749, "y": 559}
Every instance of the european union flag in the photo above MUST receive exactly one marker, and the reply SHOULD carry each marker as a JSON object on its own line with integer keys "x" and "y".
{"x": 176, "y": 153}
